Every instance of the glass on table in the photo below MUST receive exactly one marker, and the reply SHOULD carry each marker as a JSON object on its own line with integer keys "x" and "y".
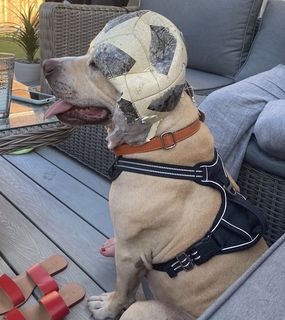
{"x": 6, "y": 80}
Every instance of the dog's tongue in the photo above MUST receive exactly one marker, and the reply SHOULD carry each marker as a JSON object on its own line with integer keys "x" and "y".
{"x": 73, "y": 115}
{"x": 58, "y": 107}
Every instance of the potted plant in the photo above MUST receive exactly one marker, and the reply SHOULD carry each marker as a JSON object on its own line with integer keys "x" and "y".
{"x": 26, "y": 35}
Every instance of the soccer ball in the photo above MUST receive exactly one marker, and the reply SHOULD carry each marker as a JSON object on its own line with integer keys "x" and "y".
{"x": 144, "y": 56}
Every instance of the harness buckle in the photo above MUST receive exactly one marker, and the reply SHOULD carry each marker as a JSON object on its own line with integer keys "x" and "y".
{"x": 165, "y": 145}
{"x": 185, "y": 261}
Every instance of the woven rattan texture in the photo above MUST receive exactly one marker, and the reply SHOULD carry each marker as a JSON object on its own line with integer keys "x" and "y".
{"x": 67, "y": 30}
{"x": 268, "y": 193}
{"x": 32, "y": 136}
{"x": 88, "y": 145}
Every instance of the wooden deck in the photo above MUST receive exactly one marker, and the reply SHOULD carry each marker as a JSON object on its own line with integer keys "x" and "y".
{"x": 51, "y": 204}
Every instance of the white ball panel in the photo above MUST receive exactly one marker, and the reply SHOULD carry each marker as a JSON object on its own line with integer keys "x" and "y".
{"x": 121, "y": 85}
{"x": 141, "y": 85}
{"x": 124, "y": 28}
{"x": 142, "y": 105}
{"x": 142, "y": 33}
{"x": 166, "y": 81}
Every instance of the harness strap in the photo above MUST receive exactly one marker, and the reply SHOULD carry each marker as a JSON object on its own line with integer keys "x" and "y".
{"x": 217, "y": 241}
{"x": 195, "y": 173}
{"x": 197, "y": 254}
{"x": 237, "y": 226}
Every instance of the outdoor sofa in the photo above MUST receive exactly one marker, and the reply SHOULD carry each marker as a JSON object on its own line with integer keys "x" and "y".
{"x": 227, "y": 41}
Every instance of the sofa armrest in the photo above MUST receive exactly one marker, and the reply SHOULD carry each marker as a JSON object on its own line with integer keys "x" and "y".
{"x": 67, "y": 30}
{"x": 258, "y": 294}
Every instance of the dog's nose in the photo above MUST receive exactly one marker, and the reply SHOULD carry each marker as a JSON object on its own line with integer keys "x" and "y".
{"x": 49, "y": 66}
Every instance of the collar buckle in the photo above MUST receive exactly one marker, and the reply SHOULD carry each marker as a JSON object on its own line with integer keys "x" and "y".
{"x": 164, "y": 138}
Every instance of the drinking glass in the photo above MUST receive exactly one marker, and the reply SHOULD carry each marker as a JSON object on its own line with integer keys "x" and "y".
{"x": 6, "y": 80}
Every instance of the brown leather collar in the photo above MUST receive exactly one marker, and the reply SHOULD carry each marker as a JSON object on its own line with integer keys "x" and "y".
{"x": 166, "y": 140}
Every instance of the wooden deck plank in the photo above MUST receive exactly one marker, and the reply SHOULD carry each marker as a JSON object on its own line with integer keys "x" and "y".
{"x": 69, "y": 165}
{"x": 88, "y": 204}
{"x": 22, "y": 244}
{"x": 4, "y": 268}
{"x": 75, "y": 237}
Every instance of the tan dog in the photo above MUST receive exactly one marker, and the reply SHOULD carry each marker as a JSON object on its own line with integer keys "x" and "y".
{"x": 154, "y": 218}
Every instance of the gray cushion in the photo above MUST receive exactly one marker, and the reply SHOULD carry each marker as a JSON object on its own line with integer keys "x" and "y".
{"x": 204, "y": 82}
{"x": 268, "y": 48}
{"x": 259, "y": 294}
{"x": 261, "y": 160}
{"x": 218, "y": 33}
{"x": 269, "y": 129}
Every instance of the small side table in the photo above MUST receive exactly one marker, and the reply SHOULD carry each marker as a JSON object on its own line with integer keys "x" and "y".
{"x": 27, "y": 127}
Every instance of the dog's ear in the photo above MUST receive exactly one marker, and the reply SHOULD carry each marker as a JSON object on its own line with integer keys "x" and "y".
{"x": 124, "y": 131}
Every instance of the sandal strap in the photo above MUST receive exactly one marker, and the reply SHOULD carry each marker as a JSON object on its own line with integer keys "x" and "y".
{"x": 14, "y": 314}
{"x": 11, "y": 289}
{"x": 55, "y": 305}
{"x": 42, "y": 279}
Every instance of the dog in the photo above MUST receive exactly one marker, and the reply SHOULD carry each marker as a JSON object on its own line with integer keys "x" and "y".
{"x": 154, "y": 218}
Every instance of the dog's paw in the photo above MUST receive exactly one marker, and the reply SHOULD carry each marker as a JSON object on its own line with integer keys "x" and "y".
{"x": 99, "y": 306}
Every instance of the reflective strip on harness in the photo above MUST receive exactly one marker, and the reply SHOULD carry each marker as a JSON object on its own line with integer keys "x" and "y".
{"x": 237, "y": 226}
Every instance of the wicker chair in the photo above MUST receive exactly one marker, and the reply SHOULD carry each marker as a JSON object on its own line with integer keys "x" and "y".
{"x": 67, "y": 30}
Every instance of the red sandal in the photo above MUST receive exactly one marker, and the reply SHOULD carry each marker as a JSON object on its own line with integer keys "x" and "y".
{"x": 14, "y": 292}
{"x": 54, "y": 305}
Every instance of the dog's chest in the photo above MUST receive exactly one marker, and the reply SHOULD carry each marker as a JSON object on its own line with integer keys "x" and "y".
{"x": 143, "y": 202}
{"x": 133, "y": 191}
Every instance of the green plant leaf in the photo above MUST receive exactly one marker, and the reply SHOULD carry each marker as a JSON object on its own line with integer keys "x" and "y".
{"x": 25, "y": 34}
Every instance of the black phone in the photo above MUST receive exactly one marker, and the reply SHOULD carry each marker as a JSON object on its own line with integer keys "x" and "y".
{"x": 31, "y": 96}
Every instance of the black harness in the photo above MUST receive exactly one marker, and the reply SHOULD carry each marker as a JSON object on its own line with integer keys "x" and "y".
{"x": 237, "y": 226}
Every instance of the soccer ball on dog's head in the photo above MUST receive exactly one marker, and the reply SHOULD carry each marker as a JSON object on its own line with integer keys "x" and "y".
{"x": 144, "y": 56}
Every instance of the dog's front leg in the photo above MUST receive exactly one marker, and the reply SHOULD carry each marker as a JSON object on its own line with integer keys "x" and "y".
{"x": 129, "y": 273}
